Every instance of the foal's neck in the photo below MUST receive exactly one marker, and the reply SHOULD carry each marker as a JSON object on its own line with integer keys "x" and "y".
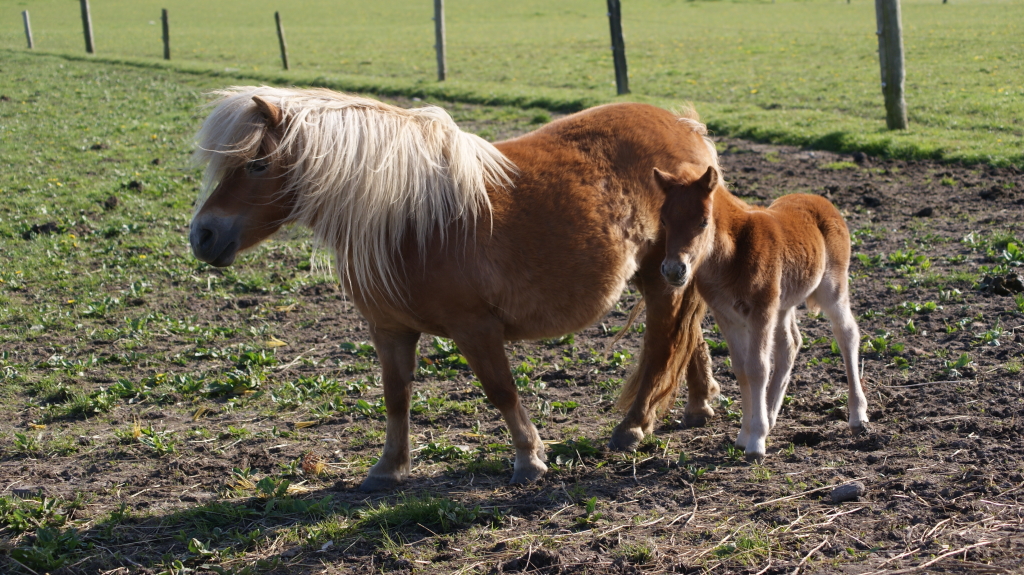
{"x": 729, "y": 214}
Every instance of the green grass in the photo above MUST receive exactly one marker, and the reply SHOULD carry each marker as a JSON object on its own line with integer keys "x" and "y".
{"x": 801, "y": 72}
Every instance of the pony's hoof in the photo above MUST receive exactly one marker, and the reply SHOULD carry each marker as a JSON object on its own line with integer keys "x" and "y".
{"x": 859, "y": 429}
{"x": 526, "y": 475}
{"x": 379, "y": 483}
{"x": 625, "y": 438}
{"x": 698, "y": 418}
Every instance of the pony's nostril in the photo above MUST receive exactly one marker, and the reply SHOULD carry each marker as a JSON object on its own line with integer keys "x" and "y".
{"x": 205, "y": 238}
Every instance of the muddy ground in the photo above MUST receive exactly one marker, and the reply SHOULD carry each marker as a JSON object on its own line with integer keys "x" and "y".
{"x": 942, "y": 467}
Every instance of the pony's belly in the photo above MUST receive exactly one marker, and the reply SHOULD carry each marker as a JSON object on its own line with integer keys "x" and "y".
{"x": 574, "y": 302}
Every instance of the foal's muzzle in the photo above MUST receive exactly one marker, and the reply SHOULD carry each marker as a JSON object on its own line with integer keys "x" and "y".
{"x": 676, "y": 272}
{"x": 215, "y": 239}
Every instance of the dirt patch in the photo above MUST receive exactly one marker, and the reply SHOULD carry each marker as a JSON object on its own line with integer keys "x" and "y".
{"x": 172, "y": 471}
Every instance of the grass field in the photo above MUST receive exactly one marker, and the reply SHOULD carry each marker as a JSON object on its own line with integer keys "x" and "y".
{"x": 795, "y": 72}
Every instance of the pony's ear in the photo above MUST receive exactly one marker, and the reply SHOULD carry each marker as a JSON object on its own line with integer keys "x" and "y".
{"x": 709, "y": 181}
{"x": 270, "y": 112}
{"x": 665, "y": 180}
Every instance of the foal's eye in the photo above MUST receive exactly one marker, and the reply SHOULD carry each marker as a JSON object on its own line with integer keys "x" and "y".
{"x": 704, "y": 223}
{"x": 256, "y": 167}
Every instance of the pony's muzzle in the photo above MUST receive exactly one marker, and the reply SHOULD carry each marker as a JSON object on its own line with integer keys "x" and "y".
{"x": 676, "y": 272}
{"x": 214, "y": 239}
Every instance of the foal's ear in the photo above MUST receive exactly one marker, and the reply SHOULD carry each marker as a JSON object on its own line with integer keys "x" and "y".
{"x": 665, "y": 180}
{"x": 709, "y": 181}
{"x": 270, "y": 112}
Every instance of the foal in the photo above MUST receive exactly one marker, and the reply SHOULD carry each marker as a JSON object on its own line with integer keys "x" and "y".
{"x": 753, "y": 266}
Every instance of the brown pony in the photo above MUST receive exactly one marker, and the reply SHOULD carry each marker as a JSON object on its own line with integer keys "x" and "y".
{"x": 436, "y": 231}
{"x": 753, "y": 266}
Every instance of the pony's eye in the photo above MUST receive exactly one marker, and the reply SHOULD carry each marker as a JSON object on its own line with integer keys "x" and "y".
{"x": 704, "y": 223}
{"x": 256, "y": 167}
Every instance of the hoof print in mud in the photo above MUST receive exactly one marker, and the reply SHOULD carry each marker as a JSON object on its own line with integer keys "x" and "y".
{"x": 532, "y": 560}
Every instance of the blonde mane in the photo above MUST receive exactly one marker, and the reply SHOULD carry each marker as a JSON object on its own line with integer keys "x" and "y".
{"x": 364, "y": 173}
{"x": 689, "y": 117}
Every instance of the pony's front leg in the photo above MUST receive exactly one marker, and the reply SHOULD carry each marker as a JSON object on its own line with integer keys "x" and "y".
{"x": 484, "y": 349}
{"x": 397, "y": 355}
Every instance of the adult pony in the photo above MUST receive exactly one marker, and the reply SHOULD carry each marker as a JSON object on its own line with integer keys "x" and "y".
{"x": 436, "y": 231}
{"x": 754, "y": 266}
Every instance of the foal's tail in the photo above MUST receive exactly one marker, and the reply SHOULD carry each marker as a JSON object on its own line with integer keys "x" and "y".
{"x": 662, "y": 378}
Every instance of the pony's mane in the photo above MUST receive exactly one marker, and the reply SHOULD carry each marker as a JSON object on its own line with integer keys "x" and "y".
{"x": 364, "y": 173}
{"x": 689, "y": 117}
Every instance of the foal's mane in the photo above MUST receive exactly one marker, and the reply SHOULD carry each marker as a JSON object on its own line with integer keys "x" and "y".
{"x": 363, "y": 173}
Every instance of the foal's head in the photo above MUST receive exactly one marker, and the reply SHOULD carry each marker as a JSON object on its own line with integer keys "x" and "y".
{"x": 686, "y": 217}
{"x": 250, "y": 202}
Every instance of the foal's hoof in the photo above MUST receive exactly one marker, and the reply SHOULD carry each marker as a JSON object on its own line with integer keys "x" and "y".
{"x": 379, "y": 483}
{"x": 625, "y": 438}
{"x": 754, "y": 457}
{"x": 860, "y": 429}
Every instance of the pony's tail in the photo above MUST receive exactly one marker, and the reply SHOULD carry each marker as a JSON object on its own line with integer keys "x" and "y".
{"x": 633, "y": 314}
{"x": 686, "y": 340}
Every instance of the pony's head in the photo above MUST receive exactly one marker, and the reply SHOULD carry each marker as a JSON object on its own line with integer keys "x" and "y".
{"x": 362, "y": 174}
{"x": 686, "y": 217}
{"x": 249, "y": 200}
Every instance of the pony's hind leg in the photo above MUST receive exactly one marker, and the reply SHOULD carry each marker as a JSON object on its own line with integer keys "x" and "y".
{"x": 701, "y": 388}
{"x": 787, "y": 344}
{"x": 835, "y": 303}
{"x": 397, "y": 355}
{"x": 484, "y": 349}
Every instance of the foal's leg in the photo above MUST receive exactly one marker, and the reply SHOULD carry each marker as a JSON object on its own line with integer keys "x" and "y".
{"x": 757, "y": 365}
{"x": 834, "y": 300}
{"x": 787, "y": 344}
{"x": 737, "y": 337}
{"x": 397, "y": 355}
{"x": 484, "y": 348}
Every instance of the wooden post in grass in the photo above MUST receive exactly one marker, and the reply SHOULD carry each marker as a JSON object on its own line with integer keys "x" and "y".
{"x": 28, "y": 29}
{"x": 890, "y": 55}
{"x": 441, "y": 45}
{"x": 87, "y": 27}
{"x": 280, "y": 38}
{"x": 167, "y": 34}
{"x": 618, "y": 47}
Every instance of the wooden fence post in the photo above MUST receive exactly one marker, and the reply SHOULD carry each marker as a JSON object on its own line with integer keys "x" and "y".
{"x": 87, "y": 27}
{"x": 167, "y": 34}
{"x": 890, "y": 55}
{"x": 280, "y": 38}
{"x": 618, "y": 47}
{"x": 441, "y": 43}
{"x": 28, "y": 29}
